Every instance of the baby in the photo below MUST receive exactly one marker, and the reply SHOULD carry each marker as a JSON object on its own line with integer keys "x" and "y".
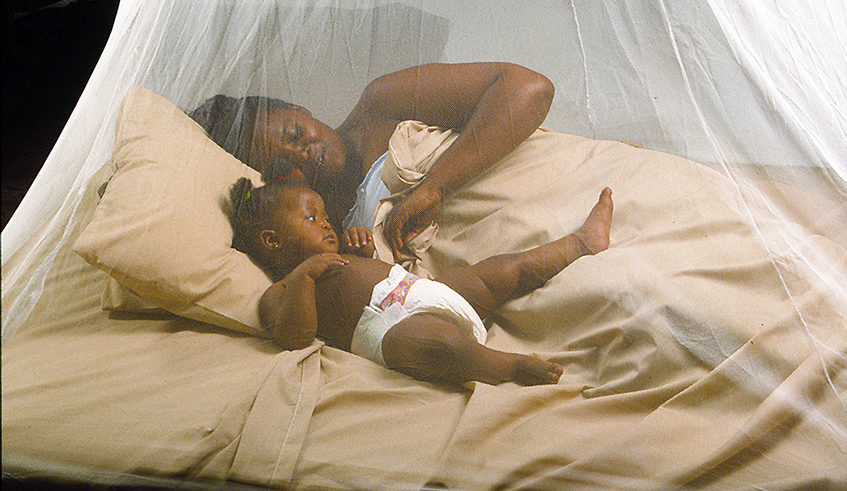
{"x": 430, "y": 330}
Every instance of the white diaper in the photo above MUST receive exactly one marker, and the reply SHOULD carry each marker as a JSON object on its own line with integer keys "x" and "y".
{"x": 401, "y": 295}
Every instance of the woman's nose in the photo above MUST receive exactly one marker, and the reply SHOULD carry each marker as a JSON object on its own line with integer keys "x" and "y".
{"x": 297, "y": 149}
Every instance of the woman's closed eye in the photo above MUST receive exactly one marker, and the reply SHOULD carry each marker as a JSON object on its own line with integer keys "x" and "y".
{"x": 292, "y": 133}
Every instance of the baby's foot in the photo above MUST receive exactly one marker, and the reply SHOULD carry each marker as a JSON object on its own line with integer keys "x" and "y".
{"x": 495, "y": 367}
{"x": 534, "y": 371}
{"x": 593, "y": 235}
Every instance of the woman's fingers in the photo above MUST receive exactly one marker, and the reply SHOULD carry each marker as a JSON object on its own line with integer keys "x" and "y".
{"x": 405, "y": 228}
{"x": 407, "y": 220}
{"x": 420, "y": 222}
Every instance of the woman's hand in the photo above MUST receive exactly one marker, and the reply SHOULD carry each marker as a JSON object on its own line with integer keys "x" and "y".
{"x": 359, "y": 241}
{"x": 411, "y": 216}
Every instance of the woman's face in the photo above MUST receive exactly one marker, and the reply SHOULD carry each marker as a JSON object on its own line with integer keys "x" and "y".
{"x": 302, "y": 146}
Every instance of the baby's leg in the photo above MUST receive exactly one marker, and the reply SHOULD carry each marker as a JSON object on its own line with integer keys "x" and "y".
{"x": 428, "y": 347}
{"x": 492, "y": 282}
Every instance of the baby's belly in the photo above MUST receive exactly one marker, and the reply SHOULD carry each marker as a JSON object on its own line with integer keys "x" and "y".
{"x": 341, "y": 295}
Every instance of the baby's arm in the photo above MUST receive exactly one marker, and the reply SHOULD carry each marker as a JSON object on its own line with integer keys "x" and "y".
{"x": 287, "y": 308}
{"x": 359, "y": 241}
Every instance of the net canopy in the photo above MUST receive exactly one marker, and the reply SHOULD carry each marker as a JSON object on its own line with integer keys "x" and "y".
{"x": 754, "y": 90}
{"x": 730, "y": 84}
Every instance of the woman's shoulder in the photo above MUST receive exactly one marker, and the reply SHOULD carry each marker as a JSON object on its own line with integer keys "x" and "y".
{"x": 367, "y": 135}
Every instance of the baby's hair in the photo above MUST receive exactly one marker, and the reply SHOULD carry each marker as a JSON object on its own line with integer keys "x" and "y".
{"x": 252, "y": 209}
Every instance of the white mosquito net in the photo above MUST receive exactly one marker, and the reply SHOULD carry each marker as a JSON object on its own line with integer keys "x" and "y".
{"x": 753, "y": 89}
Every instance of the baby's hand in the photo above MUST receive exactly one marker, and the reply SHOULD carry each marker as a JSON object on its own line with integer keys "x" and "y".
{"x": 359, "y": 241}
{"x": 319, "y": 263}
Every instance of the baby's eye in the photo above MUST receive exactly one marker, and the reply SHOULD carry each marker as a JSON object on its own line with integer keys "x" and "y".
{"x": 311, "y": 218}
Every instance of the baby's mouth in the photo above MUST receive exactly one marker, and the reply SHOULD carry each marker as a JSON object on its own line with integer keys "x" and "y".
{"x": 332, "y": 240}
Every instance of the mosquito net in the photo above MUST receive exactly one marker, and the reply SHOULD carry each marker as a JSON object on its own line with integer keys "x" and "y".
{"x": 752, "y": 91}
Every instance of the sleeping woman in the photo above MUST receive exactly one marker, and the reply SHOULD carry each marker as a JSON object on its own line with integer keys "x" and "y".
{"x": 495, "y": 106}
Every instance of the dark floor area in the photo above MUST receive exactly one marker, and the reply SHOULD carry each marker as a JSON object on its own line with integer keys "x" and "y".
{"x": 50, "y": 49}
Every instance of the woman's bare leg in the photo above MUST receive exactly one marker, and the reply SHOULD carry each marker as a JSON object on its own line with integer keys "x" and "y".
{"x": 492, "y": 282}
{"x": 428, "y": 347}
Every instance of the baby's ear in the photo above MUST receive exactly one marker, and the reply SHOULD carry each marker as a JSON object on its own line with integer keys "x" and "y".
{"x": 269, "y": 240}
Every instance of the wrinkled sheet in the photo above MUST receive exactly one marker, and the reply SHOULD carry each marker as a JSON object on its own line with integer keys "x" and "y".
{"x": 706, "y": 340}
{"x": 693, "y": 354}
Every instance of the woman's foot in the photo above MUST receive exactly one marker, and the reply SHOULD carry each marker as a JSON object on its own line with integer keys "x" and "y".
{"x": 593, "y": 235}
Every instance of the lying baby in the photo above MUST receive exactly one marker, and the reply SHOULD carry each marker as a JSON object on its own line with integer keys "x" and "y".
{"x": 430, "y": 330}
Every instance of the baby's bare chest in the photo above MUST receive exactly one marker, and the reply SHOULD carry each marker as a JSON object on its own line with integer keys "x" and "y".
{"x": 341, "y": 295}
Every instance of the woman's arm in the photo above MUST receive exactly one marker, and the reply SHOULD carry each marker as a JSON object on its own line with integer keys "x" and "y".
{"x": 287, "y": 309}
{"x": 495, "y": 106}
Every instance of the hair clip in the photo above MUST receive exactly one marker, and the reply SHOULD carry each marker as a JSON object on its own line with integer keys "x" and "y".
{"x": 280, "y": 177}
{"x": 247, "y": 196}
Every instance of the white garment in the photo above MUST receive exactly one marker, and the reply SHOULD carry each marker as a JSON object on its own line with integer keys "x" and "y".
{"x": 421, "y": 296}
{"x": 368, "y": 195}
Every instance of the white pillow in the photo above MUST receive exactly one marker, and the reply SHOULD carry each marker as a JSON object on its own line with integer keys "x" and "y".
{"x": 161, "y": 228}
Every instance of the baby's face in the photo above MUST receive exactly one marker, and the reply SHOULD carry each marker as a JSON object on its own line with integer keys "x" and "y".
{"x": 303, "y": 223}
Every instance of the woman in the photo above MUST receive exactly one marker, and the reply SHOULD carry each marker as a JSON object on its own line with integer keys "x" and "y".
{"x": 495, "y": 107}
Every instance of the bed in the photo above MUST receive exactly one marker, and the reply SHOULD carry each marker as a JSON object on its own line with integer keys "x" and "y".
{"x": 704, "y": 350}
